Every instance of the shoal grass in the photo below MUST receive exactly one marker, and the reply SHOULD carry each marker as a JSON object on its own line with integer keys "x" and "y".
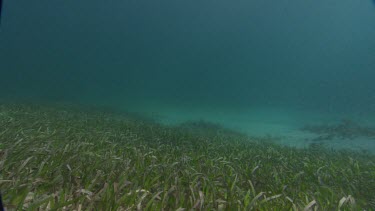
{"x": 59, "y": 158}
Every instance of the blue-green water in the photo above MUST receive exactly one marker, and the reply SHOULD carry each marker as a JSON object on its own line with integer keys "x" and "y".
{"x": 259, "y": 66}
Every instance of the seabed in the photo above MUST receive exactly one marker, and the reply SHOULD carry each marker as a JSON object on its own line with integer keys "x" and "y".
{"x": 62, "y": 157}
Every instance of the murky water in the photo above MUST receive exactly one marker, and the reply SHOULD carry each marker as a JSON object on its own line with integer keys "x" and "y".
{"x": 261, "y": 67}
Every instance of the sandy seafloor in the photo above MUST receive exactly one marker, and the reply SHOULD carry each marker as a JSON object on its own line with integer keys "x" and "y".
{"x": 283, "y": 124}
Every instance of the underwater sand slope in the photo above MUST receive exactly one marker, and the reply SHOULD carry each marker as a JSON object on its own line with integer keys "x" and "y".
{"x": 285, "y": 126}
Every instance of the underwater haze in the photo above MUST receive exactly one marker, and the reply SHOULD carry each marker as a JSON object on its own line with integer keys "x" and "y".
{"x": 187, "y": 105}
{"x": 258, "y": 66}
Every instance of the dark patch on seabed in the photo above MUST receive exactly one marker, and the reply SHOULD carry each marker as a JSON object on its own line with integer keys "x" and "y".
{"x": 346, "y": 129}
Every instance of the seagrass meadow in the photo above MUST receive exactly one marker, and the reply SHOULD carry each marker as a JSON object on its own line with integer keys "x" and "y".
{"x": 69, "y": 158}
{"x": 202, "y": 105}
